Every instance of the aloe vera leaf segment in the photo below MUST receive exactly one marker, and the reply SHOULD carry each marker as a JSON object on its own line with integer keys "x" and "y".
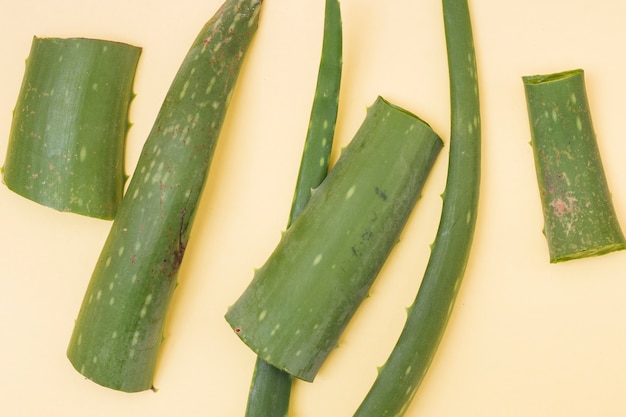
{"x": 300, "y": 301}
{"x": 68, "y": 134}
{"x": 270, "y": 390}
{"x": 579, "y": 217}
{"x": 118, "y": 331}
{"x": 400, "y": 377}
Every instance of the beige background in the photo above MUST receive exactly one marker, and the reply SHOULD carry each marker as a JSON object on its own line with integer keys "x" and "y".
{"x": 527, "y": 339}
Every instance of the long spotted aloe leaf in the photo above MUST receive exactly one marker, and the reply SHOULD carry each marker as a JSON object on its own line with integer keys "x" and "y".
{"x": 118, "y": 331}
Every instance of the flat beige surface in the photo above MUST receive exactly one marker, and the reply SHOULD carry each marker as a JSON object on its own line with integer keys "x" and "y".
{"x": 527, "y": 339}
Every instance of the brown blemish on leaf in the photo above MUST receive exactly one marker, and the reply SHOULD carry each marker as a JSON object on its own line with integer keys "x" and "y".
{"x": 562, "y": 207}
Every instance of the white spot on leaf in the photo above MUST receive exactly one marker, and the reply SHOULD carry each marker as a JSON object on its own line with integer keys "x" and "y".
{"x": 350, "y": 192}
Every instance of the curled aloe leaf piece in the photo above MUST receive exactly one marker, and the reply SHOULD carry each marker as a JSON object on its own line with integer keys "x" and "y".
{"x": 68, "y": 134}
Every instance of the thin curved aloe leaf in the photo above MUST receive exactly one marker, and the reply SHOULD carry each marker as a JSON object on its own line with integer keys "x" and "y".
{"x": 579, "y": 217}
{"x": 118, "y": 332}
{"x": 320, "y": 134}
{"x": 68, "y": 134}
{"x": 300, "y": 301}
{"x": 270, "y": 390}
{"x": 400, "y": 377}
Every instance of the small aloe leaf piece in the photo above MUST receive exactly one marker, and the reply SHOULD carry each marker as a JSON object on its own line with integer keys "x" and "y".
{"x": 402, "y": 374}
{"x": 118, "y": 332}
{"x": 299, "y": 302}
{"x": 68, "y": 134}
{"x": 579, "y": 217}
{"x": 270, "y": 390}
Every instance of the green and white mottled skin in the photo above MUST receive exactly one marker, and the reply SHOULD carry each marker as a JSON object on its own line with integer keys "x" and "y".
{"x": 402, "y": 374}
{"x": 67, "y": 139}
{"x": 118, "y": 331}
{"x": 579, "y": 217}
{"x": 270, "y": 390}
{"x": 299, "y": 302}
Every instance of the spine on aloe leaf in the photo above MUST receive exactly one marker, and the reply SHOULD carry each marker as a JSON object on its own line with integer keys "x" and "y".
{"x": 402, "y": 374}
{"x": 67, "y": 138}
{"x": 579, "y": 218}
{"x": 270, "y": 390}
{"x": 118, "y": 331}
{"x": 299, "y": 302}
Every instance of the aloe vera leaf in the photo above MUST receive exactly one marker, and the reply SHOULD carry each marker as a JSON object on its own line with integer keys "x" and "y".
{"x": 299, "y": 302}
{"x": 402, "y": 374}
{"x": 68, "y": 134}
{"x": 270, "y": 390}
{"x": 579, "y": 217}
{"x": 118, "y": 332}
{"x": 319, "y": 140}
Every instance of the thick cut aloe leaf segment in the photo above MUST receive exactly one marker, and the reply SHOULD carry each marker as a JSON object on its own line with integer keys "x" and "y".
{"x": 579, "y": 217}
{"x": 68, "y": 134}
{"x": 119, "y": 328}
{"x": 297, "y": 305}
